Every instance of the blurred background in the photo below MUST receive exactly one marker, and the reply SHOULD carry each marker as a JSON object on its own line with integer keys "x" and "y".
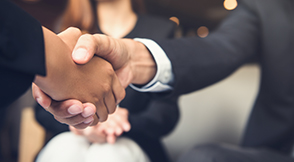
{"x": 214, "y": 114}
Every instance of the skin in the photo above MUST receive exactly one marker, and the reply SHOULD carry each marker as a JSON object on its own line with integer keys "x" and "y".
{"x": 108, "y": 131}
{"x": 66, "y": 80}
{"x": 131, "y": 60}
{"x": 115, "y": 18}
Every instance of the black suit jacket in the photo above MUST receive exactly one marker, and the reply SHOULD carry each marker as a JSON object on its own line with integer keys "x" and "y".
{"x": 150, "y": 119}
{"x": 256, "y": 28}
{"x": 21, "y": 52}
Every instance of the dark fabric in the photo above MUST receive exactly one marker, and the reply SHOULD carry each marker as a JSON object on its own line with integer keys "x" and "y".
{"x": 229, "y": 153}
{"x": 256, "y": 28}
{"x": 21, "y": 52}
{"x": 150, "y": 119}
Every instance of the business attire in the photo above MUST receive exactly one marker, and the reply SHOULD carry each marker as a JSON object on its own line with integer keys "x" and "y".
{"x": 150, "y": 119}
{"x": 21, "y": 54}
{"x": 256, "y": 29}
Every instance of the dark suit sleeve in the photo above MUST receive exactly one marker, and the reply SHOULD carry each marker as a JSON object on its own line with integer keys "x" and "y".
{"x": 21, "y": 43}
{"x": 21, "y": 51}
{"x": 199, "y": 62}
{"x": 159, "y": 119}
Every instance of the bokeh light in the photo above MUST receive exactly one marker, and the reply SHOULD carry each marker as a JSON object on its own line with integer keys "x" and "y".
{"x": 202, "y": 31}
{"x": 175, "y": 19}
{"x": 230, "y": 4}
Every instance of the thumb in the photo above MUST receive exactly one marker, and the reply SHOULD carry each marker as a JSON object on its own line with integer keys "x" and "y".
{"x": 85, "y": 49}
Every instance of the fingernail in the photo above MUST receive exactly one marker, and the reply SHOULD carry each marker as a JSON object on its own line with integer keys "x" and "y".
{"x": 73, "y": 110}
{"x": 80, "y": 54}
{"x": 89, "y": 120}
{"x": 88, "y": 111}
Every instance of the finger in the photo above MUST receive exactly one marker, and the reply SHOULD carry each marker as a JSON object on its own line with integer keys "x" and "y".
{"x": 97, "y": 139}
{"x": 110, "y": 102}
{"x": 121, "y": 118}
{"x": 117, "y": 90}
{"x": 111, "y": 139}
{"x": 75, "y": 120}
{"x": 90, "y": 110}
{"x": 85, "y": 49}
{"x": 120, "y": 125}
{"x": 70, "y": 36}
{"x": 76, "y": 131}
{"x": 66, "y": 109}
{"x": 40, "y": 96}
{"x": 101, "y": 111}
{"x": 94, "y": 136}
{"x": 126, "y": 126}
{"x": 109, "y": 130}
{"x": 82, "y": 125}
{"x": 118, "y": 131}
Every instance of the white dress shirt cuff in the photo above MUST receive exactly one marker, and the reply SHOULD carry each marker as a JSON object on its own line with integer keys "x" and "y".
{"x": 164, "y": 75}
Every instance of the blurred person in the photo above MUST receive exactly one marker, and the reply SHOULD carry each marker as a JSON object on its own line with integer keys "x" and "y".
{"x": 256, "y": 28}
{"x": 141, "y": 130}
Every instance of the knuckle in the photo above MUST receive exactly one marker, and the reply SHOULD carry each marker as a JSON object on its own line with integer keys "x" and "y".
{"x": 107, "y": 88}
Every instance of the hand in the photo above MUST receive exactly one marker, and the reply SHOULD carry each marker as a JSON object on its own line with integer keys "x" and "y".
{"x": 71, "y": 112}
{"x": 104, "y": 95}
{"x": 116, "y": 124}
{"x": 131, "y": 59}
{"x": 92, "y": 134}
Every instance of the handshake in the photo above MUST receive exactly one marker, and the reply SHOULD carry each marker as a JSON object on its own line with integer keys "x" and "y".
{"x": 87, "y": 74}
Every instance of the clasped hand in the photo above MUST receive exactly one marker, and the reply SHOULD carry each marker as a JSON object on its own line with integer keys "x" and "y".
{"x": 72, "y": 92}
{"x": 95, "y": 86}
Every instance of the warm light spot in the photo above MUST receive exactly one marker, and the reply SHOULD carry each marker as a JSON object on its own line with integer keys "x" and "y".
{"x": 175, "y": 19}
{"x": 230, "y": 4}
{"x": 202, "y": 31}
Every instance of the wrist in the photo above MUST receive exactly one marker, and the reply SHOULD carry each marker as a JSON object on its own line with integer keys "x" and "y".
{"x": 142, "y": 63}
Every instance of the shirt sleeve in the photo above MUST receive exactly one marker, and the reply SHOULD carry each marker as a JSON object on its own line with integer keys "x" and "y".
{"x": 164, "y": 76}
